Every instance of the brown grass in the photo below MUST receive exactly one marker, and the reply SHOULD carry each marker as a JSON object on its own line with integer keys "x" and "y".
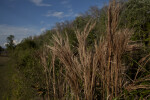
{"x": 77, "y": 67}
{"x": 104, "y": 60}
{"x": 47, "y": 69}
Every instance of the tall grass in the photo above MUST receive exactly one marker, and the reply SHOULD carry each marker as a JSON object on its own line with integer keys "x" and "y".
{"x": 103, "y": 62}
{"x": 105, "y": 58}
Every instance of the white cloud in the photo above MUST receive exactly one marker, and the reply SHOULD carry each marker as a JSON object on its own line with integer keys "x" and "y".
{"x": 43, "y": 29}
{"x": 18, "y": 32}
{"x": 60, "y": 14}
{"x": 14, "y": 41}
{"x": 55, "y": 14}
{"x": 40, "y": 3}
{"x": 78, "y": 15}
{"x": 65, "y": 2}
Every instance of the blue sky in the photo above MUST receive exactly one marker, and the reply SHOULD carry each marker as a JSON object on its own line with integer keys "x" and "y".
{"x": 23, "y": 18}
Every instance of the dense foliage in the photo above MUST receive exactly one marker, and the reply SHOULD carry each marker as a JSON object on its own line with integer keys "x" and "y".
{"x": 136, "y": 15}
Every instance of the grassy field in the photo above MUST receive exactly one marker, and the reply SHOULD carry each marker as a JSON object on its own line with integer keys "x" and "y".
{"x": 5, "y": 73}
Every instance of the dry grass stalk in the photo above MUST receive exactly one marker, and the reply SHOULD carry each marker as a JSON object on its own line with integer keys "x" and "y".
{"x": 49, "y": 70}
{"x": 85, "y": 65}
{"x": 62, "y": 50}
{"x": 44, "y": 62}
{"x": 114, "y": 81}
{"x": 113, "y": 14}
{"x": 54, "y": 79}
{"x": 136, "y": 83}
{"x": 88, "y": 61}
{"x": 135, "y": 87}
{"x": 106, "y": 59}
{"x": 142, "y": 62}
{"x": 82, "y": 67}
{"x": 115, "y": 45}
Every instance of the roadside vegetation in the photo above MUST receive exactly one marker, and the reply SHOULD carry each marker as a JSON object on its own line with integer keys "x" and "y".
{"x": 104, "y": 54}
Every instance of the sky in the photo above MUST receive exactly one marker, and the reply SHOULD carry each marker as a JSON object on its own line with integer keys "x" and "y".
{"x": 24, "y": 18}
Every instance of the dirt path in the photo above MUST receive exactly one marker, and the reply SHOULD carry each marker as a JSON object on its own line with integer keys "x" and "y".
{"x": 4, "y": 77}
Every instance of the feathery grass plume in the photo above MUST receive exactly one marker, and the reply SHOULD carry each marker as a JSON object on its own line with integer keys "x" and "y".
{"x": 61, "y": 49}
{"x": 79, "y": 68}
{"x": 47, "y": 69}
{"x": 112, "y": 71}
{"x": 88, "y": 61}
{"x": 85, "y": 66}
{"x": 112, "y": 83}
{"x": 110, "y": 64}
{"x": 104, "y": 59}
{"x": 55, "y": 84}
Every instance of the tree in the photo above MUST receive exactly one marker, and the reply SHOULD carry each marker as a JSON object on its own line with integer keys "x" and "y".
{"x": 10, "y": 42}
{"x": 1, "y": 49}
